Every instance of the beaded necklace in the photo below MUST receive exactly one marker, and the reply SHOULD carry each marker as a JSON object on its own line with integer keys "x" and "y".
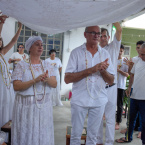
{"x": 119, "y": 68}
{"x": 34, "y": 87}
{"x": 8, "y": 84}
{"x": 87, "y": 78}
{"x": 42, "y": 86}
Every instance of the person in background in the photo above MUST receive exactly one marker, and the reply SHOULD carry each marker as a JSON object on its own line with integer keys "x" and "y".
{"x": 137, "y": 100}
{"x": 133, "y": 60}
{"x": 6, "y": 88}
{"x": 18, "y": 56}
{"x": 56, "y": 63}
{"x": 122, "y": 74}
{"x": 110, "y": 109}
{"x": 130, "y": 64}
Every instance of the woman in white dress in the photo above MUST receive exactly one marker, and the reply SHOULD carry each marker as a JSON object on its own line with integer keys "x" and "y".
{"x": 32, "y": 113}
{"x": 6, "y": 88}
{"x": 56, "y": 63}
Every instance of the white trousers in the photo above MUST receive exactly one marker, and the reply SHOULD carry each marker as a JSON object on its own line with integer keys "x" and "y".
{"x": 78, "y": 115}
{"x": 110, "y": 111}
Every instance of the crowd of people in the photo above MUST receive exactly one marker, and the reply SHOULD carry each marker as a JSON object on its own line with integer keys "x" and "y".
{"x": 98, "y": 72}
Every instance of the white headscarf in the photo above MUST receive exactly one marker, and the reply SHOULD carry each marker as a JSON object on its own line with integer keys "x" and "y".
{"x": 31, "y": 41}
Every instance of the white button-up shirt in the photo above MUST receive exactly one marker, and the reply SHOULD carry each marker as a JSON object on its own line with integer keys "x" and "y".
{"x": 96, "y": 84}
{"x": 139, "y": 80}
{"x": 114, "y": 48}
{"x": 121, "y": 79}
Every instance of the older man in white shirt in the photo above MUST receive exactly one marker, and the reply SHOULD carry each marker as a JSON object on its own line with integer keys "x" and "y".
{"x": 89, "y": 68}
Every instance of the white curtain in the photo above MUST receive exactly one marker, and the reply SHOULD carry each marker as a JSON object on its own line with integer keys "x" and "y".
{"x": 55, "y": 16}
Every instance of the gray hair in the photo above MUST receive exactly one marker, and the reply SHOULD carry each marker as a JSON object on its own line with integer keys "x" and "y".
{"x": 86, "y": 29}
{"x": 143, "y": 46}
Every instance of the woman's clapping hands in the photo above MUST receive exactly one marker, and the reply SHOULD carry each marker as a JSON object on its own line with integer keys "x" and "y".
{"x": 43, "y": 77}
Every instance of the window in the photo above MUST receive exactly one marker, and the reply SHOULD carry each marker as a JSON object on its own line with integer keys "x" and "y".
{"x": 50, "y": 41}
{"x": 127, "y": 51}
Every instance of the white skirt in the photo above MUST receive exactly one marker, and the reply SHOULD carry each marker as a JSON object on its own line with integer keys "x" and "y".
{"x": 30, "y": 125}
{"x": 7, "y": 98}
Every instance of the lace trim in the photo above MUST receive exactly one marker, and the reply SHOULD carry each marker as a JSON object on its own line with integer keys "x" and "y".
{"x": 29, "y": 100}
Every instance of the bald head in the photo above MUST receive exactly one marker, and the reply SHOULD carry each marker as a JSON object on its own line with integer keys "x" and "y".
{"x": 92, "y": 35}
{"x": 89, "y": 27}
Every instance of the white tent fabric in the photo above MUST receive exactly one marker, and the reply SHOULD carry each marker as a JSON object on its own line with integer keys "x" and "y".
{"x": 55, "y": 16}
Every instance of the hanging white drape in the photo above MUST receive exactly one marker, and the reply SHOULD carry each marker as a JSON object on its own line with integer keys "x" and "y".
{"x": 55, "y": 16}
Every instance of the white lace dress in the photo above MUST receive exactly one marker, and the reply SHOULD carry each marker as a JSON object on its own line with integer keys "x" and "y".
{"x": 6, "y": 93}
{"x": 31, "y": 125}
{"x": 56, "y": 97}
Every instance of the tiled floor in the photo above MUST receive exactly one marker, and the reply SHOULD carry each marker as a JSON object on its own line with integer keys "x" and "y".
{"x": 62, "y": 118}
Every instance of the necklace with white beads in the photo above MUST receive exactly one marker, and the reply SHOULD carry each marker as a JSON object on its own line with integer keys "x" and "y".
{"x": 34, "y": 87}
{"x": 6, "y": 80}
{"x": 119, "y": 68}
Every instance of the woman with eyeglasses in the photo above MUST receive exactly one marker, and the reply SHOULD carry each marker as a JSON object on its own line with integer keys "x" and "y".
{"x": 18, "y": 56}
{"x": 6, "y": 88}
{"x": 56, "y": 63}
{"x": 33, "y": 112}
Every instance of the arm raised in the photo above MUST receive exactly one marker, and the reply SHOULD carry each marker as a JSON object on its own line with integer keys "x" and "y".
{"x": 2, "y": 20}
{"x": 118, "y": 31}
{"x": 13, "y": 41}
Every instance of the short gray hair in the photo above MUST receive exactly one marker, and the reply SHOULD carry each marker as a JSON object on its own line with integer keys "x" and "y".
{"x": 143, "y": 46}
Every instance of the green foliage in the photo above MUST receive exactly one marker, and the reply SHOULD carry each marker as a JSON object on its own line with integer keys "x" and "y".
{"x": 125, "y": 100}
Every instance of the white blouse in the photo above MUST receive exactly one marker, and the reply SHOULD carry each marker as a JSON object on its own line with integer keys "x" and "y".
{"x": 22, "y": 72}
{"x": 17, "y": 55}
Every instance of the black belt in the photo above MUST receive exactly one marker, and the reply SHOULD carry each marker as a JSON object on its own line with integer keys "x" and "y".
{"x": 110, "y": 85}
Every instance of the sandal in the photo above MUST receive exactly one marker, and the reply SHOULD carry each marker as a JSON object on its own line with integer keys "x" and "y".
{"x": 122, "y": 140}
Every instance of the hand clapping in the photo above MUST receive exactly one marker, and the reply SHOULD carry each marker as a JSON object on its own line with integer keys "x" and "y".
{"x": 45, "y": 77}
{"x": 103, "y": 65}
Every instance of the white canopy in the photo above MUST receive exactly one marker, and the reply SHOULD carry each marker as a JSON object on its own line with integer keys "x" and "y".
{"x": 55, "y": 16}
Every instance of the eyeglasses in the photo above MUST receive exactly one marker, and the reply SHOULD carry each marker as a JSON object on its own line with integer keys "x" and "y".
{"x": 21, "y": 47}
{"x": 94, "y": 33}
{"x": 53, "y": 53}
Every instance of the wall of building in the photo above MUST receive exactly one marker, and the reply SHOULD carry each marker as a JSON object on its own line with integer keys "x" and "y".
{"x": 130, "y": 36}
{"x": 72, "y": 39}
